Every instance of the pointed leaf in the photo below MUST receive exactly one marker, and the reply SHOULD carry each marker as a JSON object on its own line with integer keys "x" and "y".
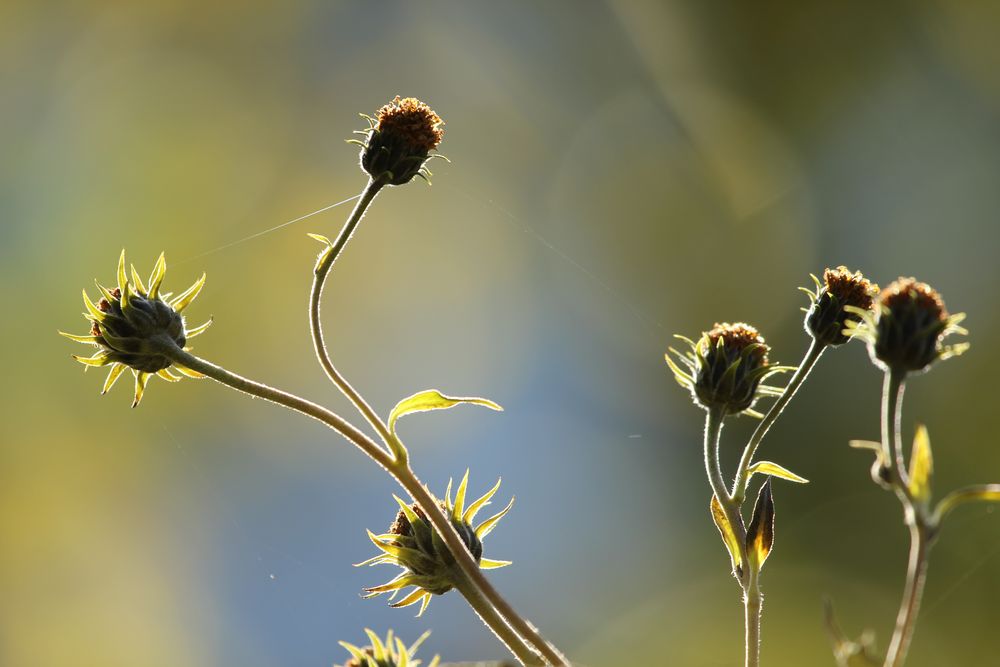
{"x": 728, "y": 534}
{"x": 121, "y": 276}
{"x": 970, "y": 494}
{"x": 183, "y": 300}
{"x": 921, "y": 466}
{"x": 760, "y": 534}
{"x": 137, "y": 281}
{"x": 432, "y": 399}
{"x": 113, "y": 375}
{"x": 156, "y": 277}
{"x": 773, "y": 469}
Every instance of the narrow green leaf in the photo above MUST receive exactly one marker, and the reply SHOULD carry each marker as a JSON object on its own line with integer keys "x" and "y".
{"x": 432, "y": 399}
{"x": 773, "y": 469}
{"x": 989, "y": 493}
{"x": 760, "y": 535}
{"x": 921, "y": 466}
{"x": 728, "y": 534}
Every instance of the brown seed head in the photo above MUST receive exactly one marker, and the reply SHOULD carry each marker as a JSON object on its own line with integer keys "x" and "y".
{"x": 850, "y": 289}
{"x": 355, "y": 662}
{"x": 737, "y": 337}
{"x": 911, "y": 324}
{"x": 908, "y": 292}
{"x": 411, "y": 121}
{"x": 833, "y": 303}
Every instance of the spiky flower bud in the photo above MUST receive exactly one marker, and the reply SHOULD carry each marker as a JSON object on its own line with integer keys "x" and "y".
{"x": 725, "y": 368}
{"x": 905, "y": 332}
{"x": 414, "y": 545}
{"x": 131, "y": 325}
{"x": 399, "y": 141}
{"x": 389, "y": 653}
{"x": 828, "y": 313}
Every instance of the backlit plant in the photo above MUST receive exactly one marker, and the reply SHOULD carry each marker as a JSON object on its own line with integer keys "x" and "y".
{"x": 138, "y": 328}
{"x": 728, "y": 370}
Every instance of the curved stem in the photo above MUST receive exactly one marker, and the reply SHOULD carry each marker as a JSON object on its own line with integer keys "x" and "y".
{"x": 400, "y": 472}
{"x": 752, "y": 602}
{"x": 489, "y": 615}
{"x": 315, "y": 297}
{"x": 713, "y": 429}
{"x": 892, "y": 446}
{"x": 403, "y": 473}
{"x": 916, "y": 575}
{"x": 283, "y": 398}
{"x": 812, "y": 355}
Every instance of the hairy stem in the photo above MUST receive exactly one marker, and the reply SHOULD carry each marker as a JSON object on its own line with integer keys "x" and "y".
{"x": 315, "y": 297}
{"x": 812, "y": 355}
{"x": 752, "y": 602}
{"x": 916, "y": 575}
{"x": 713, "y": 429}
{"x": 400, "y": 472}
{"x": 489, "y": 615}
{"x": 892, "y": 415}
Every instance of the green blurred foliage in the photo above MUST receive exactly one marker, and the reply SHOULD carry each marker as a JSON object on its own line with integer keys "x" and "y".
{"x": 621, "y": 171}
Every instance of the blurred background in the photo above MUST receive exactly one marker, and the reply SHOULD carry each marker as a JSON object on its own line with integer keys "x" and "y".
{"x": 621, "y": 171}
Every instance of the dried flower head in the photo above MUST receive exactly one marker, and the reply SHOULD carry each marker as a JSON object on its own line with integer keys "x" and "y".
{"x": 828, "y": 315}
{"x": 399, "y": 141}
{"x": 131, "y": 324}
{"x": 415, "y": 546}
{"x": 390, "y": 653}
{"x": 725, "y": 368}
{"x": 905, "y": 332}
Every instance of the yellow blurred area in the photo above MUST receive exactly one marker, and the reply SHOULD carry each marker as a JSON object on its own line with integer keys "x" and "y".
{"x": 620, "y": 171}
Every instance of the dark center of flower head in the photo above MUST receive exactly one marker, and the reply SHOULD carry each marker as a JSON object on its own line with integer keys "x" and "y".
{"x": 411, "y": 121}
{"x": 401, "y": 525}
{"x": 355, "y": 662}
{"x": 908, "y": 292}
{"x": 737, "y": 337}
{"x": 850, "y": 289}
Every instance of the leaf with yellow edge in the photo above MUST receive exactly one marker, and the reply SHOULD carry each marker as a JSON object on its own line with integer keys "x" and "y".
{"x": 432, "y": 399}
{"x": 760, "y": 534}
{"x": 921, "y": 466}
{"x": 728, "y": 534}
{"x": 773, "y": 469}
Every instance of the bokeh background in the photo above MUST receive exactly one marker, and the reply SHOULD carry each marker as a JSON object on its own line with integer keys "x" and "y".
{"x": 620, "y": 171}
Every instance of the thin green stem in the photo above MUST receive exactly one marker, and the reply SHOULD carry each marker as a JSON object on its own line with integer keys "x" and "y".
{"x": 892, "y": 446}
{"x": 713, "y": 429}
{"x": 916, "y": 576}
{"x": 400, "y": 471}
{"x": 315, "y": 297}
{"x": 489, "y": 615}
{"x": 753, "y": 607}
{"x": 812, "y": 355}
